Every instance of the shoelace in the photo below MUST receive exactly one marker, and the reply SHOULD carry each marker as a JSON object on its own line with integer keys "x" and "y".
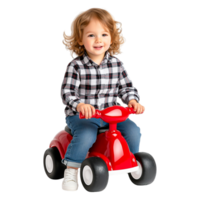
{"x": 70, "y": 175}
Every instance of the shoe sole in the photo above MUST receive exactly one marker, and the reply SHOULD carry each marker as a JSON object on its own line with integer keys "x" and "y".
{"x": 64, "y": 189}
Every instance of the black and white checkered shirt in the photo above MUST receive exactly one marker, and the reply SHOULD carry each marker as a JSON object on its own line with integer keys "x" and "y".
{"x": 97, "y": 85}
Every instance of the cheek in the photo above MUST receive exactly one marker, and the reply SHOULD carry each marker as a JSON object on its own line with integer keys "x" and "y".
{"x": 108, "y": 41}
{"x": 88, "y": 43}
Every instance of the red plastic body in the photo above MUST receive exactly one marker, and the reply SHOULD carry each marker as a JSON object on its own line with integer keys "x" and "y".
{"x": 110, "y": 145}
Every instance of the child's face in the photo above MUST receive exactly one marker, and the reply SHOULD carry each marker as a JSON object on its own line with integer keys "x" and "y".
{"x": 95, "y": 35}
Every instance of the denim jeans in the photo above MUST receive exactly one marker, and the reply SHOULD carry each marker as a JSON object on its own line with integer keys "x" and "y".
{"x": 84, "y": 133}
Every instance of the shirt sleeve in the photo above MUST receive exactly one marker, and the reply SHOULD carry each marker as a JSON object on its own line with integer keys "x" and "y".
{"x": 70, "y": 85}
{"x": 126, "y": 90}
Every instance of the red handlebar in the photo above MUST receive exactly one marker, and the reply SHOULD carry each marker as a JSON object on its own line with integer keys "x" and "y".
{"x": 114, "y": 114}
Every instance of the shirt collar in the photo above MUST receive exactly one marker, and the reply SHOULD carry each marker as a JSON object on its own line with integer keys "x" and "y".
{"x": 87, "y": 60}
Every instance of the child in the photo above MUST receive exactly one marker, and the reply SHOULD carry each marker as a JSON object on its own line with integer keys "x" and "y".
{"x": 93, "y": 80}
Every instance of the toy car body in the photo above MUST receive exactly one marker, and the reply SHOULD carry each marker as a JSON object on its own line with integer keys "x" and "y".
{"x": 110, "y": 151}
{"x": 113, "y": 150}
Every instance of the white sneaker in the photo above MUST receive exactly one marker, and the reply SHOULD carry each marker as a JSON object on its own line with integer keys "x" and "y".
{"x": 70, "y": 181}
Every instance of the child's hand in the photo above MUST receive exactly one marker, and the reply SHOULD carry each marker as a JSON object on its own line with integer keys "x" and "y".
{"x": 86, "y": 109}
{"x": 136, "y": 106}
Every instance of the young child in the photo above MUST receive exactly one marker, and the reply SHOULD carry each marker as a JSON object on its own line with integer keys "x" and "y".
{"x": 93, "y": 80}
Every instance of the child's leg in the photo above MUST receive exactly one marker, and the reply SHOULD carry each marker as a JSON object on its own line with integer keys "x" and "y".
{"x": 131, "y": 132}
{"x": 84, "y": 133}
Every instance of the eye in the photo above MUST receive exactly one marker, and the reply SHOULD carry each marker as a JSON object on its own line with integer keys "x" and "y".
{"x": 91, "y": 35}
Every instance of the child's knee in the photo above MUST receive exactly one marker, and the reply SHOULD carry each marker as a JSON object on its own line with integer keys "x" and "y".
{"x": 137, "y": 129}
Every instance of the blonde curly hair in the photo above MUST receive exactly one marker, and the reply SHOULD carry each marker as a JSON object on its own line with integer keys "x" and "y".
{"x": 82, "y": 20}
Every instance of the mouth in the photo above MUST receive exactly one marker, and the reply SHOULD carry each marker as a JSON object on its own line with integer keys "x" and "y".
{"x": 98, "y": 47}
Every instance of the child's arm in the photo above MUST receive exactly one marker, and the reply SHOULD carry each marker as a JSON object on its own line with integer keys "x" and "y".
{"x": 126, "y": 90}
{"x": 70, "y": 85}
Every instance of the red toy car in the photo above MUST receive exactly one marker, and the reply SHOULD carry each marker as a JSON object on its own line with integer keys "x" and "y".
{"x": 110, "y": 154}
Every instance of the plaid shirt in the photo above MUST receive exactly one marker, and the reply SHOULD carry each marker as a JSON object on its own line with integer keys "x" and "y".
{"x": 97, "y": 85}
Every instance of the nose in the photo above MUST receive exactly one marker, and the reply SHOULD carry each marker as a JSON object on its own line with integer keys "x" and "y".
{"x": 98, "y": 39}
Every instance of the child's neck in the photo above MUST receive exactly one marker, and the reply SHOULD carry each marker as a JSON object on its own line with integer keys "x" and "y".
{"x": 97, "y": 60}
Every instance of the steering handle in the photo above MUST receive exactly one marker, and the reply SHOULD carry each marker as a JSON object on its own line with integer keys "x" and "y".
{"x": 114, "y": 114}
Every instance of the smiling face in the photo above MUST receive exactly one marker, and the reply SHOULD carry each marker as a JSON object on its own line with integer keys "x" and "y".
{"x": 96, "y": 40}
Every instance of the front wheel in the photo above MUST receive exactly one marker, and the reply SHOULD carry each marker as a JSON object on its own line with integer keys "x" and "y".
{"x": 147, "y": 169}
{"x": 94, "y": 174}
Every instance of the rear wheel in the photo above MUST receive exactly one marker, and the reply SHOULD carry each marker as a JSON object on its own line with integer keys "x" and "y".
{"x": 52, "y": 164}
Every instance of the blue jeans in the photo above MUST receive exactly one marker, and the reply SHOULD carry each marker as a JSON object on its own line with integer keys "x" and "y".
{"x": 84, "y": 133}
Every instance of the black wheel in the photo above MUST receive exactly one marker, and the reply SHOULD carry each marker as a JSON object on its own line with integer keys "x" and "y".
{"x": 52, "y": 164}
{"x": 94, "y": 174}
{"x": 147, "y": 169}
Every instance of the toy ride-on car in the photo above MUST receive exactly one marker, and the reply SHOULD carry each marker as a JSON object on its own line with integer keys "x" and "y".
{"x": 110, "y": 154}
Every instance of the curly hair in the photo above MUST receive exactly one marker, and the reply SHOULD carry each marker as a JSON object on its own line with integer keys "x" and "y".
{"x": 82, "y": 20}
